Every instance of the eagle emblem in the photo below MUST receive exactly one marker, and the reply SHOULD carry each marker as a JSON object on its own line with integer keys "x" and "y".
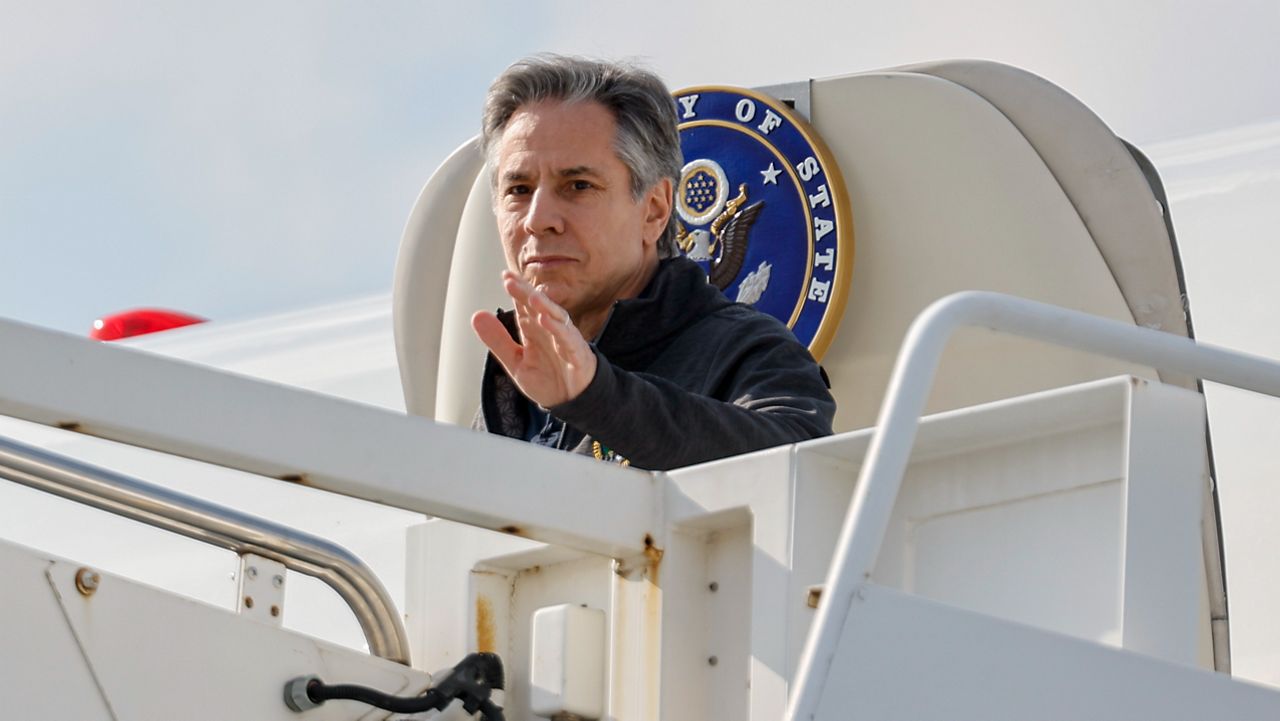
{"x": 761, "y": 206}
{"x": 724, "y": 243}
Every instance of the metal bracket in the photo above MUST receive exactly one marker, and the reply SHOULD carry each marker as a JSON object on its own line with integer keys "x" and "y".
{"x": 261, "y": 589}
{"x": 795, "y": 95}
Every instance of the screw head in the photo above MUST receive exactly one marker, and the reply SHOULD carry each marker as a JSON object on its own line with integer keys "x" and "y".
{"x": 277, "y": 581}
{"x": 713, "y": 586}
{"x": 87, "y": 581}
{"x": 251, "y": 572}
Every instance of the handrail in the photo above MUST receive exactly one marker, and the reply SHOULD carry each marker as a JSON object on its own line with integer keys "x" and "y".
{"x": 217, "y": 525}
{"x": 323, "y": 442}
{"x": 880, "y": 479}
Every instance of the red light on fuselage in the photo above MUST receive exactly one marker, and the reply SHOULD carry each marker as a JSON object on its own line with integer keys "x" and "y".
{"x": 139, "y": 322}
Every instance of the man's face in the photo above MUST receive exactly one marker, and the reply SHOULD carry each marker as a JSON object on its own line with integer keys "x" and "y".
{"x": 568, "y": 221}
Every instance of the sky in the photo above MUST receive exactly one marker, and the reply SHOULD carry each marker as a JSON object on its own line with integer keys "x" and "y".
{"x": 236, "y": 159}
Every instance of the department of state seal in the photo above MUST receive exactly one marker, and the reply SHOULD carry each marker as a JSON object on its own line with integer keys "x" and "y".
{"x": 762, "y": 207}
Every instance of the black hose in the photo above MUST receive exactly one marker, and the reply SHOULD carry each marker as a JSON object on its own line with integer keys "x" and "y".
{"x": 471, "y": 681}
{"x": 320, "y": 692}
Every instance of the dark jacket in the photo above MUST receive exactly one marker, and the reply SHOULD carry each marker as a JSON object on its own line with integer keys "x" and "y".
{"x": 683, "y": 376}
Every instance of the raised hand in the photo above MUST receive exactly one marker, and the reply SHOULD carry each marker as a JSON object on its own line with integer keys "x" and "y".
{"x": 554, "y": 363}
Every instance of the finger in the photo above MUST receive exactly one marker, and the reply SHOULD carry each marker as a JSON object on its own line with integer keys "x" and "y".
{"x": 566, "y": 342}
{"x": 494, "y": 335}
{"x": 542, "y": 302}
{"x": 533, "y": 336}
{"x": 571, "y": 351}
{"x": 518, "y": 288}
{"x": 531, "y": 305}
{"x": 520, "y": 292}
{"x": 568, "y": 346}
{"x": 524, "y": 292}
{"x": 556, "y": 322}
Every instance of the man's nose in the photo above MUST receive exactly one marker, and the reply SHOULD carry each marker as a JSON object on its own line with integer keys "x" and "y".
{"x": 545, "y": 214}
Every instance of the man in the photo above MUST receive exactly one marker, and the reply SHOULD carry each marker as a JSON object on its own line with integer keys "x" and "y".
{"x": 617, "y": 346}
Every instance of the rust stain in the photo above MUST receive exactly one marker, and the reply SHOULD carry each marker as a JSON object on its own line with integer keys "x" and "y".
{"x": 484, "y": 626}
{"x": 652, "y": 632}
{"x": 69, "y": 425}
{"x": 814, "y": 596}
{"x": 653, "y": 555}
{"x": 296, "y": 478}
{"x": 87, "y": 581}
{"x": 621, "y": 628}
{"x": 513, "y": 530}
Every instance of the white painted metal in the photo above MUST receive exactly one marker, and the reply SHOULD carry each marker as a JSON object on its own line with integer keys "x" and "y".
{"x": 1015, "y": 510}
{"x": 905, "y": 657}
{"x": 475, "y": 284}
{"x": 1221, "y": 189}
{"x": 442, "y": 614}
{"x": 1168, "y": 479}
{"x": 261, "y": 592}
{"x": 39, "y": 649}
{"x": 219, "y": 526}
{"x": 127, "y": 651}
{"x": 747, "y": 537}
{"x": 740, "y": 510}
{"x": 567, "y": 672}
{"x": 507, "y": 590}
{"x": 880, "y": 478}
{"x": 763, "y": 672}
{"x": 1032, "y": 510}
{"x": 145, "y": 554}
{"x": 1099, "y": 177}
{"x": 935, "y": 216}
{"x": 328, "y": 443}
{"x": 344, "y": 349}
{"x": 422, "y": 275}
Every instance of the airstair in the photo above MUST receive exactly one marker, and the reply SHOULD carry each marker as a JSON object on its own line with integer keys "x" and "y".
{"x": 1016, "y": 519}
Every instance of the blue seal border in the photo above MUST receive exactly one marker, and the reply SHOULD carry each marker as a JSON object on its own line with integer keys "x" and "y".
{"x": 827, "y": 169}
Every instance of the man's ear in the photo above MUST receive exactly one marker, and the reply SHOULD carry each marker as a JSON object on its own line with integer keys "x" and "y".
{"x": 657, "y": 210}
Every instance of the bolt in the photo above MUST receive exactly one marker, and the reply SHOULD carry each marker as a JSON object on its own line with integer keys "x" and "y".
{"x": 714, "y": 586}
{"x": 275, "y": 611}
{"x": 251, "y": 572}
{"x": 813, "y": 596}
{"x": 277, "y": 581}
{"x": 713, "y": 660}
{"x": 87, "y": 581}
{"x": 248, "y": 601}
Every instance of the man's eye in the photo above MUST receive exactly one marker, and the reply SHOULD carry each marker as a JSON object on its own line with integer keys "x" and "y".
{"x": 582, "y": 185}
{"x": 517, "y": 190}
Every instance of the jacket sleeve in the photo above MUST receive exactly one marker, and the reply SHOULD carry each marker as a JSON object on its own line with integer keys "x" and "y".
{"x": 764, "y": 391}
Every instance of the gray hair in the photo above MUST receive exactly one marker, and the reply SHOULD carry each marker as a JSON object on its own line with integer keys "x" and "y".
{"x": 647, "y": 141}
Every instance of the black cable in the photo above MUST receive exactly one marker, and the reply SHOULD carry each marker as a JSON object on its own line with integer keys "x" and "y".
{"x": 320, "y": 692}
{"x": 472, "y": 681}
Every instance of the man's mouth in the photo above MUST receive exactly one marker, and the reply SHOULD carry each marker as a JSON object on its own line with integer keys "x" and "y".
{"x": 544, "y": 262}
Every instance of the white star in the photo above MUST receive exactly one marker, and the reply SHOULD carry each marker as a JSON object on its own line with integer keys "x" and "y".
{"x": 771, "y": 175}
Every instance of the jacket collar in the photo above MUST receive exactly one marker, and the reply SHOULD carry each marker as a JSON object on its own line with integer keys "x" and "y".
{"x": 640, "y": 328}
